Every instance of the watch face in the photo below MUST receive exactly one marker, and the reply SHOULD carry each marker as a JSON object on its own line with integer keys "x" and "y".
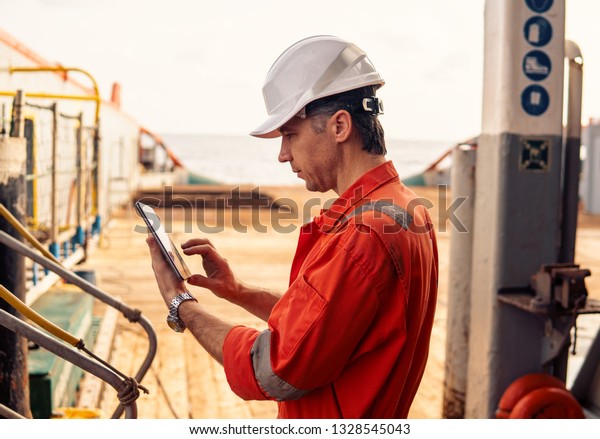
{"x": 173, "y": 319}
{"x": 175, "y": 324}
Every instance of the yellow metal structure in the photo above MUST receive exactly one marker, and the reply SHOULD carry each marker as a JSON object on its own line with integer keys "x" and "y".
{"x": 25, "y": 233}
{"x": 95, "y": 98}
{"x": 37, "y": 318}
{"x": 59, "y": 96}
{"x": 76, "y": 413}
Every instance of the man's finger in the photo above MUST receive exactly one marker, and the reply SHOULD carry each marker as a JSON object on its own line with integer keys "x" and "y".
{"x": 203, "y": 250}
{"x": 196, "y": 241}
{"x": 202, "y": 281}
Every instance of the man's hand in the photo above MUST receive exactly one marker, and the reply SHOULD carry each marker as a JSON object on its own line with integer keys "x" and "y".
{"x": 168, "y": 282}
{"x": 219, "y": 278}
{"x": 207, "y": 329}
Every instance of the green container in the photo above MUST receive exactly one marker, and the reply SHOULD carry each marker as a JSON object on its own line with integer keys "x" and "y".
{"x": 53, "y": 381}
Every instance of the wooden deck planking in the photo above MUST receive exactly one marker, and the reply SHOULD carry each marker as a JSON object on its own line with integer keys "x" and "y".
{"x": 123, "y": 268}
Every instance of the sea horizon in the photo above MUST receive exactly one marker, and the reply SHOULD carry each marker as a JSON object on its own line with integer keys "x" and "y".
{"x": 239, "y": 159}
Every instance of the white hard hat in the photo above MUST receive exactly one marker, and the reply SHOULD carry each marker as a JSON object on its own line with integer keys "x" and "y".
{"x": 312, "y": 68}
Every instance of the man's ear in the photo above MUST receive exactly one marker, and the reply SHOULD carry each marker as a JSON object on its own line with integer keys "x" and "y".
{"x": 342, "y": 124}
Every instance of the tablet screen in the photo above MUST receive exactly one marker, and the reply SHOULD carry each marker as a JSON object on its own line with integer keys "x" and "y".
{"x": 165, "y": 243}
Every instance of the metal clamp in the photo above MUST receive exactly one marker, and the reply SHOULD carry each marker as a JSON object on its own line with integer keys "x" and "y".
{"x": 373, "y": 105}
{"x": 560, "y": 284}
{"x": 557, "y": 294}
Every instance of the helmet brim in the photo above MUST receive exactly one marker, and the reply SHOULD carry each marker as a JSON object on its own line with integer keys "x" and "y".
{"x": 269, "y": 129}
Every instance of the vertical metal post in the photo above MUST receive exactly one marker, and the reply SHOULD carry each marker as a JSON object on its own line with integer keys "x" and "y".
{"x": 571, "y": 175}
{"x": 97, "y": 226}
{"x": 2, "y": 125}
{"x": 18, "y": 128}
{"x": 462, "y": 186}
{"x": 591, "y": 173}
{"x": 14, "y": 379}
{"x": 80, "y": 234}
{"x": 518, "y": 193}
{"x": 572, "y": 165}
{"x": 54, "y": 247}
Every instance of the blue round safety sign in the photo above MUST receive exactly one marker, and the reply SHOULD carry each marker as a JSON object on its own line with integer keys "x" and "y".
{"x": 539, "y": 6}
{"x": 537, "y": 65}
{"x": 538, "y": 31}
{"x": 535, "y": 100}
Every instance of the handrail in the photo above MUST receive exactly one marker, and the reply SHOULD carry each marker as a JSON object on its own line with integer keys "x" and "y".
{"x": 62, "y": 350}
{"x": 162, "y": 143}
{"x": 25, "y": 233}
{"x": 38, "y": 319}
{"x": 51, "y": 96}
{"x": 432, "y": 166}
{"x": 133, "y": 315}
{"x": 9, "y": 413}
{"x": 96, "y": 96}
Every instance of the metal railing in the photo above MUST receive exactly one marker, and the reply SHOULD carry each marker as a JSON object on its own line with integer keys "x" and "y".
{"x": 61, "y": 182}
{"x": 90, "y": 365}
{"x": 133, "y": 315}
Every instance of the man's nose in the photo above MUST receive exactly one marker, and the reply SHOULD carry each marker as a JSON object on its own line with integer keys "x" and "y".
{"x": 285, "y": 154}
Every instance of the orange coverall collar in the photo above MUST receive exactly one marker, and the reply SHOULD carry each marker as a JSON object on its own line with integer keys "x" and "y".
{"x": 355, "y": 194}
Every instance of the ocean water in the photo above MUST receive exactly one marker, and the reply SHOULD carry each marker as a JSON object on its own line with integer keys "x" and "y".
{"x": 247, "y": 160}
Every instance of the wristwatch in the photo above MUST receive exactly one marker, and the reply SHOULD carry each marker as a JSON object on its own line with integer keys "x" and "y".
{"x": 173, "y": 320}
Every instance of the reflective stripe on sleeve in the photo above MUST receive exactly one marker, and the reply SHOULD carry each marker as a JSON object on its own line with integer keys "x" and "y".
{"x": 397, "y": 213}
{"x": 273, "y": 385}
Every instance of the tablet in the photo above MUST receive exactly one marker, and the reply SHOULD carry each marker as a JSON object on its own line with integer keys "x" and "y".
{"x": 164, "y": 241}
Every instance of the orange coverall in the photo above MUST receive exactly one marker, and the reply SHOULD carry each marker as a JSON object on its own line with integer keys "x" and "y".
{"x": 350, "y": 337}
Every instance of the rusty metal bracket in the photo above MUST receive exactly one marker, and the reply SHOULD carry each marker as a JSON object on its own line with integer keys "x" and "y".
{"x": 562, "y": 284}
{"x": 555, "y": 290}
{"x": 558, "y": 295}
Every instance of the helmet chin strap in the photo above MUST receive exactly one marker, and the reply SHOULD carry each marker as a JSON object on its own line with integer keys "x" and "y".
{"x": 372, "y": 104}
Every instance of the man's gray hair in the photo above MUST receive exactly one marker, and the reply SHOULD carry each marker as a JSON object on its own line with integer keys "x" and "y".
{"x": 367, "y": 123}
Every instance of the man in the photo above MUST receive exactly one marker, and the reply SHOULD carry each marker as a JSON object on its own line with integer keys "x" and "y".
{"x": 350, "y": 336}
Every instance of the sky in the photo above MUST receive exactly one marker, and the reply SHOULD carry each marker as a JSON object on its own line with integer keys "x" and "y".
{"x": 197, "y": 66}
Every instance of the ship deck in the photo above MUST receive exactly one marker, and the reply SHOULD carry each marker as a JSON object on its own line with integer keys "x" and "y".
{"x": 184, "y": 382}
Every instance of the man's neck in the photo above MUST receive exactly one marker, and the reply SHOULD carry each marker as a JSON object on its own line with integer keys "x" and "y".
{"x": 355, "y": 165}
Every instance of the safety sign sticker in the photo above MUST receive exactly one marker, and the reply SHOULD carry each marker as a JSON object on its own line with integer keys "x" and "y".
{"x": 535, "y": 155}
{"x": 538, "y": 31}
{"x": 535, "y": 100}
{"x": 537, "y": 65}
{"x": 539, "y": 6}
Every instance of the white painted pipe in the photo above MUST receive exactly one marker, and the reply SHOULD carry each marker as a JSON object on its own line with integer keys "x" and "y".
{"x": 462, "y": 186}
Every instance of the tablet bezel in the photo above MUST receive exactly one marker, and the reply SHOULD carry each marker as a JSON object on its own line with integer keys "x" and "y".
{"x": 164, "y": 240}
